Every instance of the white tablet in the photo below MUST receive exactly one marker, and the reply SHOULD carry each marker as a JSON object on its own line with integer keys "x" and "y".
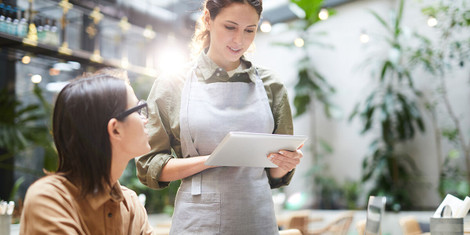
{"x": 252, "y": 149}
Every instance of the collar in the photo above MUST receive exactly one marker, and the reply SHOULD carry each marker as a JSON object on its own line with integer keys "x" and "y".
{"x": 114, "y": 194}
{"x": 207, "y": 69}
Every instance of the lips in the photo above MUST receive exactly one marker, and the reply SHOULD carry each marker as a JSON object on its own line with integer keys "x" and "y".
{"x": 235, "y": 50}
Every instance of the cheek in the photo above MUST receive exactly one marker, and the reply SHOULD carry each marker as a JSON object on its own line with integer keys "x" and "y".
{"x": 250, "y": 37}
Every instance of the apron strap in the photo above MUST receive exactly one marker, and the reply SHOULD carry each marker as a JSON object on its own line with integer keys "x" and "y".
{"x": 196, "y": 184}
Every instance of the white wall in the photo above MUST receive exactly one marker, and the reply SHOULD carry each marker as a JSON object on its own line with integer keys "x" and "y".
{"x": 340, "y": 66}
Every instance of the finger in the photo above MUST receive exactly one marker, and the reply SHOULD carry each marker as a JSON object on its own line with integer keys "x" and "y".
{"x": 284, "y": 162}
{"x": 291, "y": 154}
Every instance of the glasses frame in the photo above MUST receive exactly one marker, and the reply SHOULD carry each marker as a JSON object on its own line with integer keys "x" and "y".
{"x": 141, "y": 109}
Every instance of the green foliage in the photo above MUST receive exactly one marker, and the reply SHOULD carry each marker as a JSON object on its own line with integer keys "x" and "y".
{"x": 311, "y": 9}
{"x": 18, "y": 124}
{"x": 311, "y": 86}
{"x": 15, "y": 188}
{"x": 453, "y": 179}
{"x": 313, "y": 89}
{"x": 441, "y": 56}
{"x": 392, "y": 110}
{"x": 22, "y": 128}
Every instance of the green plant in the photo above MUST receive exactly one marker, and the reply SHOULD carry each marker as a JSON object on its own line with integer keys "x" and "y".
{"x": 313, "y": 90}
{"x": 391, "y": 109}
{"x": 447, "y": 52}
{"x": 21, "y": 127}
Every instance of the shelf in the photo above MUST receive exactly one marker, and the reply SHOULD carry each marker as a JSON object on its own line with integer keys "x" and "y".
{"x": 80, "y": 56}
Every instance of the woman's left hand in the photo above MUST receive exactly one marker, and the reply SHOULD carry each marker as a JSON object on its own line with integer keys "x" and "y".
{"x": 285, "y": 159}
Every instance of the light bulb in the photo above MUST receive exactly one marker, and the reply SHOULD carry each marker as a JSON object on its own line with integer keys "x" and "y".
{"x": 299, "y": 42}
{"x": 265, "y": 27}
{"x": 26, "y": 59}
{"x": 36, "y": 78}
{"x": 323, "y": 14}
{"x": 432, "y": 21}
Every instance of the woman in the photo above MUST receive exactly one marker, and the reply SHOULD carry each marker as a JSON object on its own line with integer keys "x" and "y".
{"x": 191, "y": 112}
{"x": 98, "y": 126}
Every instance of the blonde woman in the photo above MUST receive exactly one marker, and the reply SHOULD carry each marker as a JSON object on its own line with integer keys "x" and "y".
{"x": 192, "y": 111}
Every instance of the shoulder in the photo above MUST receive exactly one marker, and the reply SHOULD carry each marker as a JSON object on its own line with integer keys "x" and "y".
{"x": 131, "y": 198}
{"x": 50, "y": 185}
{"x": 128, "y": 192}
{"x": 270, "y": 79}
{"x": 49, "y": 191}
{"x": 172, "y": 78}
{"x": 168, "y": 85}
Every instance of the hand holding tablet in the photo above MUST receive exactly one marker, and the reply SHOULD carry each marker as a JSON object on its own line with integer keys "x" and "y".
{"x": 251, "y": 149}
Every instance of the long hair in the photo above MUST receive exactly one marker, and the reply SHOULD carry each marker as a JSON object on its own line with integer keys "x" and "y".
{"x": 79, "y": 125}
{"x": 201, "y": 37}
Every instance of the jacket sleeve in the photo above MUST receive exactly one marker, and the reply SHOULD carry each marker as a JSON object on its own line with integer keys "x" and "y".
{"x": 282, "y": 114}
{"x": 163, "y": 129}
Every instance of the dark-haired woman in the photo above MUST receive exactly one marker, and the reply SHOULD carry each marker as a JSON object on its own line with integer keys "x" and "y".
{"x": 98, "y": 126}
{"x": 191, "y": 112}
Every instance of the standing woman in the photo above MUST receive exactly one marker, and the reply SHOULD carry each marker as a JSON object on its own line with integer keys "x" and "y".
{"x": 98, "y": 126}
{"x": 192, "y": 111}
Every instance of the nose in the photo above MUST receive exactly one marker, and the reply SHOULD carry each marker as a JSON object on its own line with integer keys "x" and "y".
{"x": 238, "y": 37}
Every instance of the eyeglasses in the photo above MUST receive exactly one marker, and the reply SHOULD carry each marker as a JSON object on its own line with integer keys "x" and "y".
{"x": 141, "y": 109}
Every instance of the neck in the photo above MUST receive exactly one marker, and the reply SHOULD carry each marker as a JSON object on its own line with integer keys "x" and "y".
{"x": 117, "y": 168}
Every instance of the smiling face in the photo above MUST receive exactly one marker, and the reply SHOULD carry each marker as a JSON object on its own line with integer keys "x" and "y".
{"x": 231, "y": 34}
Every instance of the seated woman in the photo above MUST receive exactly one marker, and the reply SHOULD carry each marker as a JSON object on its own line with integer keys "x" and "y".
{"x": 98, "y": 126}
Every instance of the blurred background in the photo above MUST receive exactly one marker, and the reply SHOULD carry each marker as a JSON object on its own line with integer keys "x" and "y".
{"x": 381, "y": 87}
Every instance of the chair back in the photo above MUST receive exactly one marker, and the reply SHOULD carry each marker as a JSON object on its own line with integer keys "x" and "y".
{"x": 410, "y": 226}
{"x": 290, "y": 232}
{"x": 299, "y": 220}
{"x": 339, "y": 226}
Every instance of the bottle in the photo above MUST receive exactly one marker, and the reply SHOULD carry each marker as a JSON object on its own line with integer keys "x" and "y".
{"x": 46, "y": 28}
{"x": 7, "y": 13}
{"x": 15, "y": 22}
{"x": 54, "y": 34}
{"x": 2, "y": 18}
{"x": 39, "y": 29}
{"x": 22, "y": 29}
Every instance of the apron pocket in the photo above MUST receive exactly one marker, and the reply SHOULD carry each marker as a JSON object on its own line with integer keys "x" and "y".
{"x": 196, "y": 214}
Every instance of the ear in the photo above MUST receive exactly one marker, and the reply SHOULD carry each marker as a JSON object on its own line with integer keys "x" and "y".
{"x": 114, "y": 129}
{"x": 206, "y": 19}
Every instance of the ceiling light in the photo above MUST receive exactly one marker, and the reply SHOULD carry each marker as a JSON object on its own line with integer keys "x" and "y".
{"x": 26, "y": 59}
{"x": 36, "y": 78}
{"x": 432, "y": 21}
{"x": 299, "y": 42}
{"x": 125, "y": 62}
{"x": 323, "y": 14}
{"x": 364, "y": 37}
{"x": 265, "y": 27}
{"x": 148, "y": 32}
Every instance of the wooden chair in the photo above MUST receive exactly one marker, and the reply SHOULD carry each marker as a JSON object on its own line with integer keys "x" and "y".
{"x": 290, "y": 232}
{"x": 162, "y": 228}
{"x": 297, "y": 220}
{"x": 361, "y": 226}
{"x": 410, "y": 226}
{"x": 338, "y": 226}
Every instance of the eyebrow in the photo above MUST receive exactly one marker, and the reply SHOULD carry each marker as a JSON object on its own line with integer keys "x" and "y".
{"x": 229, "y": 21}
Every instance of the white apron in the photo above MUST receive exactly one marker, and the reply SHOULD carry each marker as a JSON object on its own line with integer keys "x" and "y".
{"x": 223, "y": 200}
